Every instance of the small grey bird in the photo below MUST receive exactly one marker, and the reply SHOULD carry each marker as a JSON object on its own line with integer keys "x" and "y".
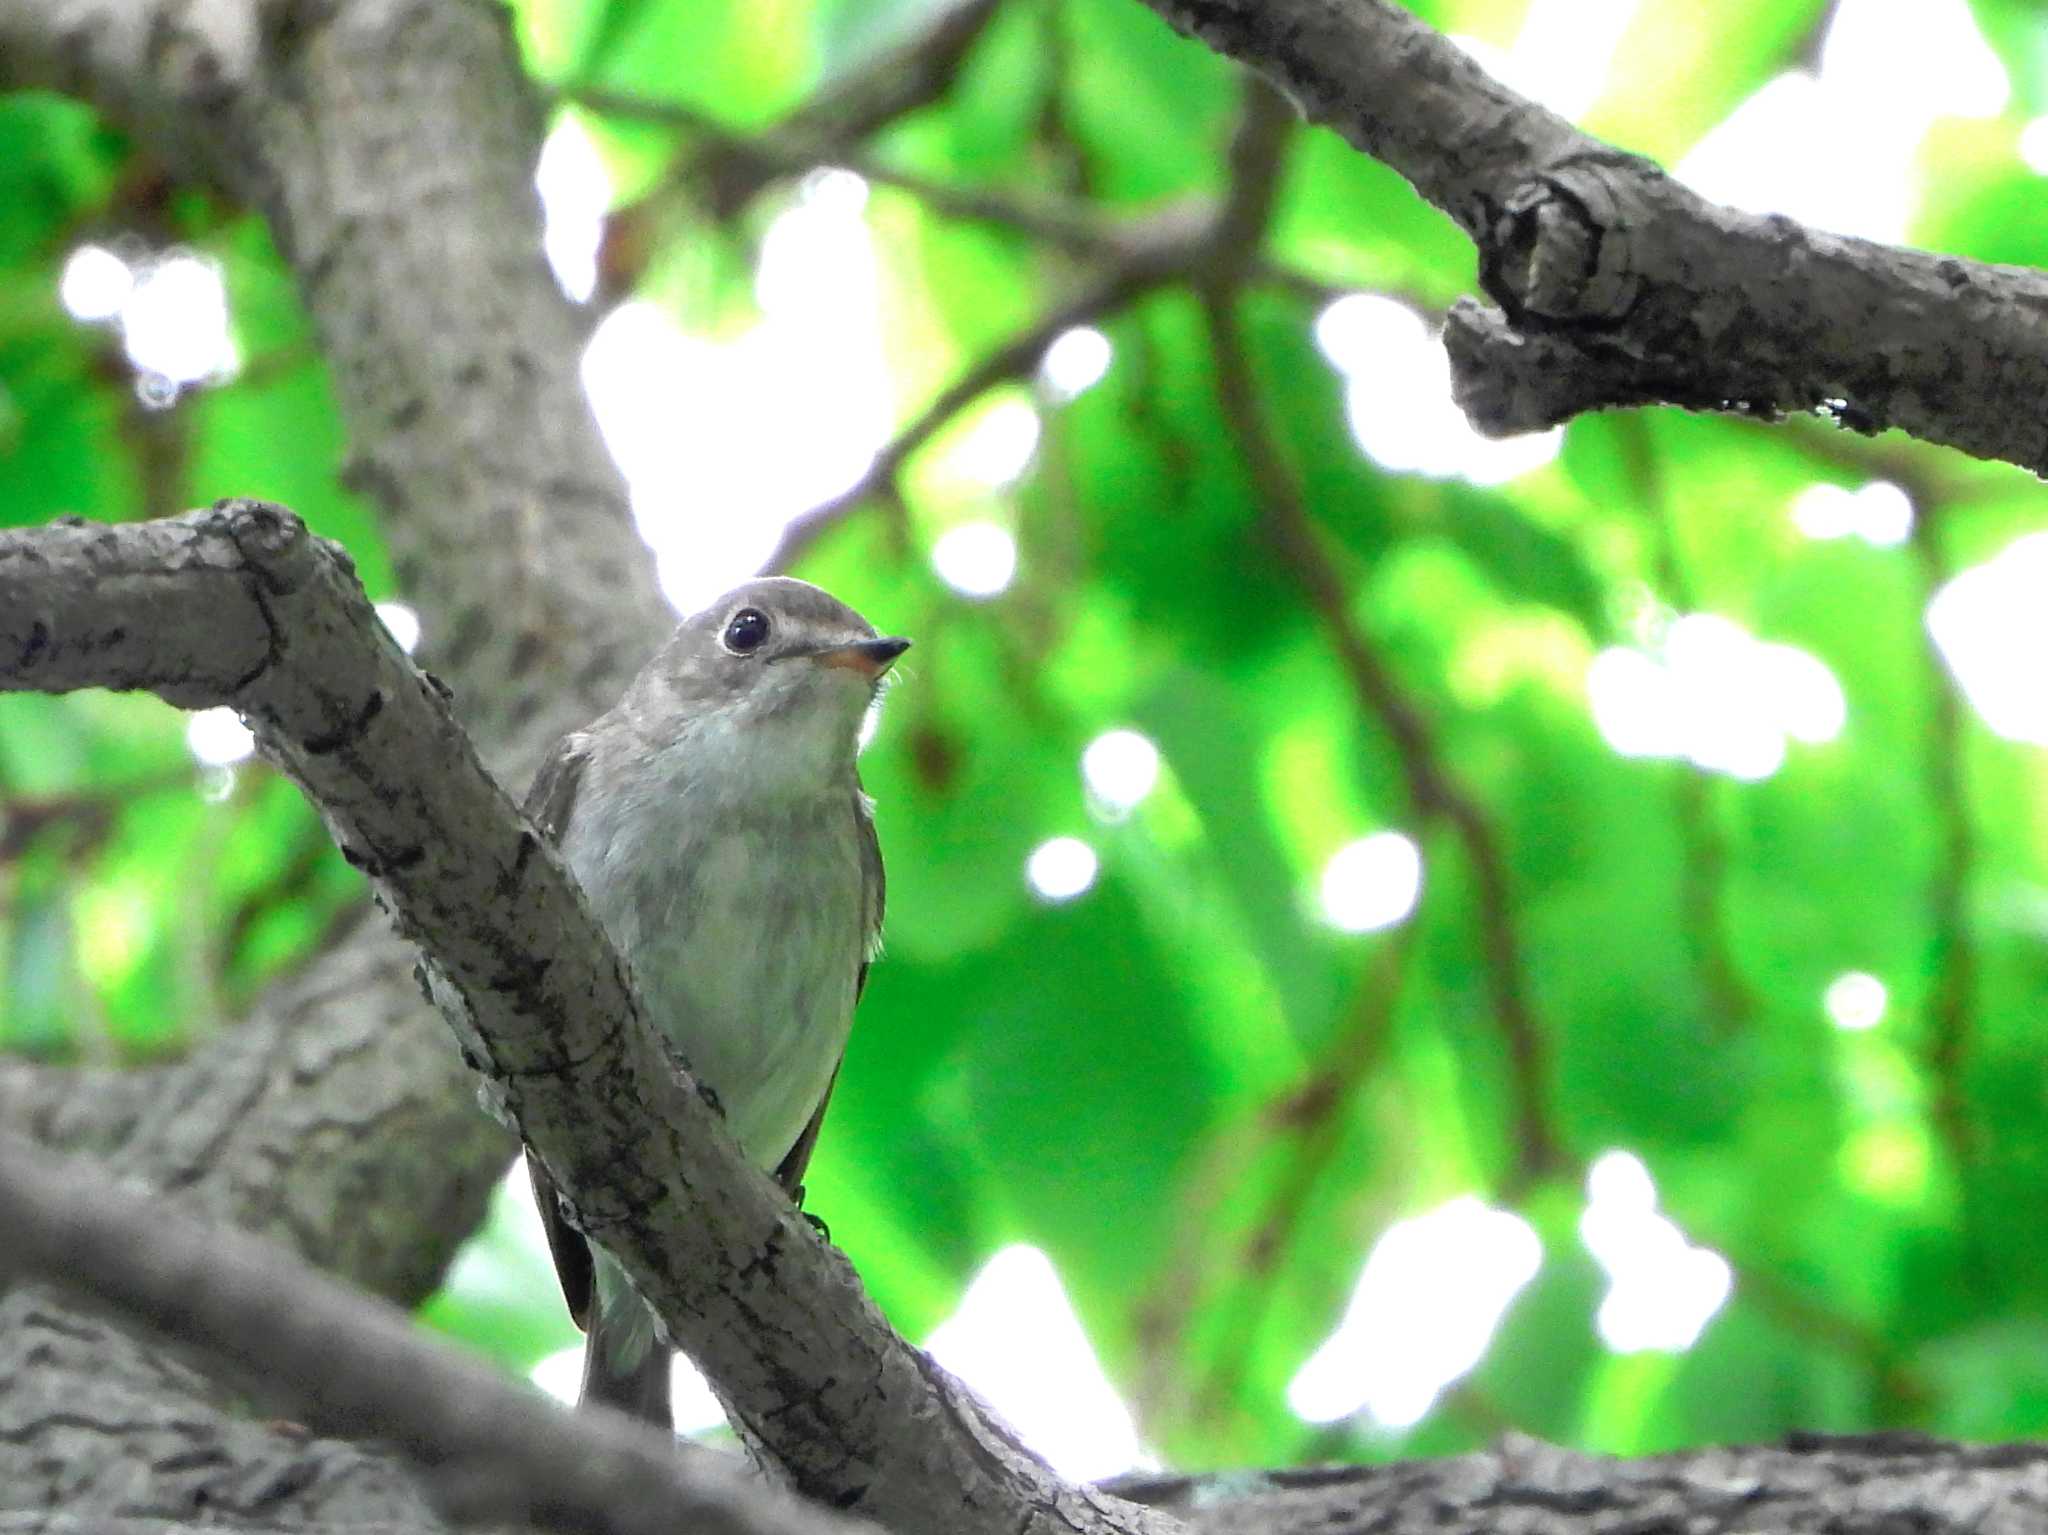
{"x": 716, "y": 822}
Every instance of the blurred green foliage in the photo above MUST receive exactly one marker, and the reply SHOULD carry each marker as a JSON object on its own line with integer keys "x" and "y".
{"x": 1198, "y": 1097}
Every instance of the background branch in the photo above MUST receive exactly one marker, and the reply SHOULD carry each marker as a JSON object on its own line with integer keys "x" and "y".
{"x": 360, "y": 1368}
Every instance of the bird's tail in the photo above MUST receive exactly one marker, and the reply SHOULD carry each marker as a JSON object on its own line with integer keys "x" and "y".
{"x": 625, "y": 1361}
{"x": 615, "y": 1378}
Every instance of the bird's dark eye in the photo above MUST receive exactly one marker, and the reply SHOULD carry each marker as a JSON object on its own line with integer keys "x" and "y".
{"x": 745, "y": 631}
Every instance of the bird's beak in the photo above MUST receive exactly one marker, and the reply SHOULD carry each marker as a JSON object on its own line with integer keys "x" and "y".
{"x": 869, "y": 658}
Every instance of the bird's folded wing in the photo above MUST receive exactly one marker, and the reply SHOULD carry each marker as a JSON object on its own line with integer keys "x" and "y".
{"x": 550, "y": 802}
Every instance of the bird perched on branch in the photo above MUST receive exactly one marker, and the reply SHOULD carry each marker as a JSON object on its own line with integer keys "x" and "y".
{"x": 716, "y": 822}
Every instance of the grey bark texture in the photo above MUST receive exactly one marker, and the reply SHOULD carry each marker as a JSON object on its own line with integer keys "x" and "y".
{"x": 333, "y": 1357}
{"x": 1617, "y": 286}
{"x": 391, "y": 148}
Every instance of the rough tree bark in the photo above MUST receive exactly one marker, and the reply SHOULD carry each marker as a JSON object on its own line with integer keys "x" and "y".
{"x": 391, "y": 148}
{"x": 390, "y": 143}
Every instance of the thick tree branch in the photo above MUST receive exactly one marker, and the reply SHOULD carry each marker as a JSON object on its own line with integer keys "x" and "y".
{"x": 1619, "y": 286}
{"x": 238, "y": 605}
{"x": 1813, "y": 1484}
{"x": 360, "y": 1368}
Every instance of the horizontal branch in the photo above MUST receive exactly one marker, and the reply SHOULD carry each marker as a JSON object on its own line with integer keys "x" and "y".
{"x": 238, "y": 605}
{"x": 359, "y": 1368}
{"x": 1617, "y": 285}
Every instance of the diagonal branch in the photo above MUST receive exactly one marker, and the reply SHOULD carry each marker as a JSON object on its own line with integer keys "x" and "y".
{"x": 1618, "y": 286}
{"x": 893, "y": 84}
{"x": 238, "y": 606}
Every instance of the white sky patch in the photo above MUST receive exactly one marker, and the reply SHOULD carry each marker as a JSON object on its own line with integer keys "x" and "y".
{"x": 1372, "y": 883}
{"x": 1715, "y": 695}
{"x": 1016, "y": 1341}
{"x": 1432, "y": 1293}
{"x": 1880, "y": 513}
{"x": 1855, "y": 1001}
{"x": 575, "y": 193}
{"x": 95, "y": 284}
{"x": 1061, "y": 869}
{"x": 174, "y": 324}
{"x": 1398, "y": 397}
{"x": 402, "y": 623}
{"x": 1076, "y": 362}
{"x": 2033, "y": 146}
{"x": 696, "y": 1410}
{"x": 1120, "y": 768}
{"x": 1662, "y": 1290}
{"x": 218, "y": 738}
{"x": 1562, "y": 54}
{"x": 1887, "y": 72}
{"x": 1991, "y": 626}
{"x": 724, "y": 442}
{"x": 976, "y": 559}
{"x": 560, "y": 1374}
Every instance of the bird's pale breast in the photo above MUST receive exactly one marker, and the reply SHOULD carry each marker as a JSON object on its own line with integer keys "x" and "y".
{"x": 741, "y": 920}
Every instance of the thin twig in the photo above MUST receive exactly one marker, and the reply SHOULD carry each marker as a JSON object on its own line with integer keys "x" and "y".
{"x": 1703, "y": 867}
{"x": 1014, "y": 359}
{"x": 1951, "y": 1001}
{"x": 1313, "y": 1117}
{"x": 1434, "y": 795}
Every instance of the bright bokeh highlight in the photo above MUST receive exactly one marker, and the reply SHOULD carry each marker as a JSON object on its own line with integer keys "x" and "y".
{"x": 95, "y": 284}
{"x": 1991, "y": 626}
{"x": 704, "y": 429}
{"x": 1016, "y": 1340}
{"x": 174, "y": 324}
{"x": 1888, "y": 71}
{"x": 1120, "y": 768}
{"x": 575, "y": 193}
{"x": 1855, "y": 1001}
{"x": 1715, "y": 695}
{"x": 976, "y": 559}
{"x": 1880, "y": 513}
{"x": 996, "y": 450}
{"x": 1431, "y": 1295}
{"x": 402, "y": 623}
{"x": 1662, "y": 1290}
{"x": 1061, "y": 869}
{"x": 1372, "y": 883}
{"x": 1398, "y": 397}
{"x": 2033, "y": 145}
{"x": 218, "y": 738}
{"x": 1076, "y": 362}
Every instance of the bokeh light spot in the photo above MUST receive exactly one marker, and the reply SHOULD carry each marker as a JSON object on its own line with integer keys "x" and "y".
{"x": 1427, "y": 1303}
{"x": 1662, "y": 1290}
{"x": 1076, "y": 362}
{"x": 976, "y": 559}
{"x": 95, "y": 283}
{"x": 218, "y": 738}
{"x": 1372, "y": 883}
{"x": 1061, "y": 869}
{"x": 1120, "y": 768}
{"x": 1855, "y": 1001}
